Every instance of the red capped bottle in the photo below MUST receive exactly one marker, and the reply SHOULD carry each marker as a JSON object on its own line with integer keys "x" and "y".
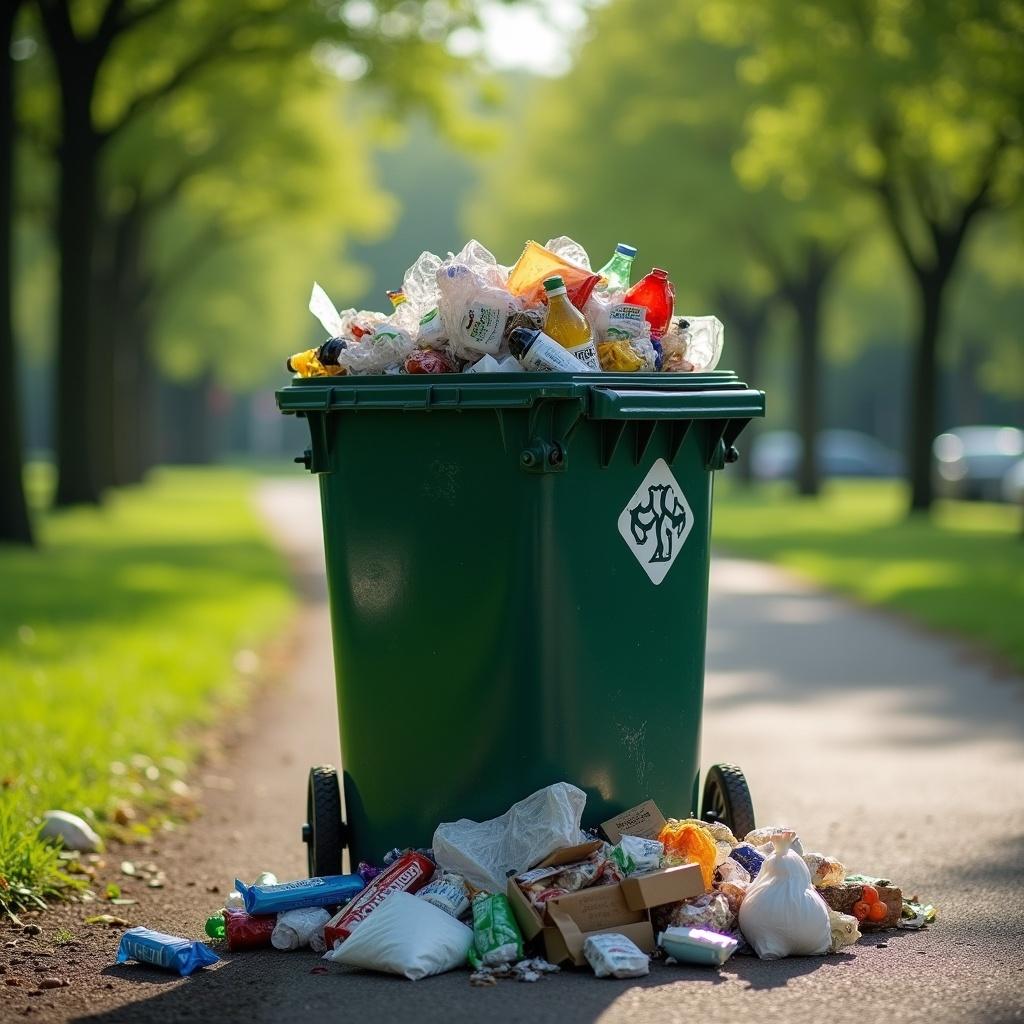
{"x": 655, "y": 292}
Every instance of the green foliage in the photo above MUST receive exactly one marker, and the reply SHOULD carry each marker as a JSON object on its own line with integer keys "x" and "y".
{"x": 962, "y": 571}
{"x": 117, "y": 640}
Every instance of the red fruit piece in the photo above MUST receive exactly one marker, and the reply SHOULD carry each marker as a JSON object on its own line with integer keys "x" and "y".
{"x": 869, "y": 894}
{"x": 860, "y": 910}
{"x": 878, "y": 911}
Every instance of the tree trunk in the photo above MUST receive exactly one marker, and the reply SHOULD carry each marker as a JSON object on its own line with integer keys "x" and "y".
{"x": 924, "y": 384}
{"x": 745, "y": 325}
{"x": 807, "y": 307}
{"x": 15, "y": 525}
{"x": 78, "y": 368}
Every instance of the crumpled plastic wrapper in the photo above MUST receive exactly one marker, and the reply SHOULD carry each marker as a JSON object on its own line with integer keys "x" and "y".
{"x": 732, "y": 871}
{"x": 844, "y": 930}
{"x": 690, "y": 842}
{"x": 420, "y": 284}
{"x": 568, "y": 249}
{"x": 296, "y": 929}
{"x": 824, "y": 870}
{"x": 761, "y": 839}
{"x": 485, "y": 852}
{"x": 526, "y": 970}
{"x": 711, "y": 911}
{"x": 385, "y": 349}
{"x": 734, "y": 892}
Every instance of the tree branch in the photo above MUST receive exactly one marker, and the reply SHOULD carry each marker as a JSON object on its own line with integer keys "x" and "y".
{"x": 107, "y": 30}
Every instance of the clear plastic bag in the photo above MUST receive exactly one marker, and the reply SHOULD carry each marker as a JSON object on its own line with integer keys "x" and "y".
{"x": 473, "y": 303}
{"x": 297, "y": 929}
{"x": 385, "y": 349}
{"x": 781, "y": 914}
{"x": 485, "y": 852}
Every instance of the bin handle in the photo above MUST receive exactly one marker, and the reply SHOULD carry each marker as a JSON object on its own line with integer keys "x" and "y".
{"x": 648, "y": 404}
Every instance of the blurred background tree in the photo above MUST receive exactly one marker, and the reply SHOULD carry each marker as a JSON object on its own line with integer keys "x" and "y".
{"x": 839, "y": 181}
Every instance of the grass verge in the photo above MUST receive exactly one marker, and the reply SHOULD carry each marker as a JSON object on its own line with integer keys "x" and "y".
{"x": 120, "y": 637}
{"x": 961, "y": 570}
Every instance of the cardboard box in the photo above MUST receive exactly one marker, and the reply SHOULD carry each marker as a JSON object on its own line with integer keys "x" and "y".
{"x": 644, "y": 820}
{"x": 668, "y": 885}
{"x": 622, "y": 908}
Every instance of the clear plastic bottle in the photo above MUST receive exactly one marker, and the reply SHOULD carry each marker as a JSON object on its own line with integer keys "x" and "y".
{"x": 567, "y": 325}
{"x": 617, "y": 270}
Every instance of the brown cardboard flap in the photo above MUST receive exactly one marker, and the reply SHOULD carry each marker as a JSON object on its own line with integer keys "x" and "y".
{"x": 570, "y": 854}
{"x": 529, "y": 921}
{"x": 596, "y": 908}
{"x": 564, "y": 939}
{"x": 644, "y": 820}
{"x": 669, "y": 885}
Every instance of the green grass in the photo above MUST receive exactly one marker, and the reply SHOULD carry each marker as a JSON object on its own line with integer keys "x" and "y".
{"x": 960, "y": 571}
{"x": 118, "y": 643}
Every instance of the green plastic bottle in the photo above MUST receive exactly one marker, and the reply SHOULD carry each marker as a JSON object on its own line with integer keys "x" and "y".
{"x": 215, "y": 926}
{"x": 618, "y": 268}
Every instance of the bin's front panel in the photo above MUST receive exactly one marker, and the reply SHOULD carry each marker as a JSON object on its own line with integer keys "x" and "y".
{"x": 497, "y": 630}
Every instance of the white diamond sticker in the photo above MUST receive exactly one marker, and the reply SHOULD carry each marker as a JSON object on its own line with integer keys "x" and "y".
{"x": 656, "y": 521}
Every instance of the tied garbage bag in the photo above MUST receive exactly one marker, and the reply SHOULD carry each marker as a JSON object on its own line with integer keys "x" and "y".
{"x": 781, "y": 914}
{"x": 485, "y": 852}
{"x": 406, "y": 936}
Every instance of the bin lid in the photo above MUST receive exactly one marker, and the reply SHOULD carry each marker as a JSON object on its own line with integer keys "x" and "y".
{"x": 602, "y": 396}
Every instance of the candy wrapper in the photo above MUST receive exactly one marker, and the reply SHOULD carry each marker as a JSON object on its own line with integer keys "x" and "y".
{"x": 488, "y": 364}
{"x": 496, "y": 936}
{"x": 448, "y": 892}
{"x": 409, "y": 873}
{"x": 636, "y": 855}
{"x": 297, "y": 929}
{"x": 427, "y": 360}
{"x": 708, "y": 911}
{"x": 537, "y": 263}
{"x": 248, "y": 931}
{"x": 749, "y": 857}
{"x": 166, "y": 951}
{"x": 325, "y": 891}
{"x": 697, "y": 946}
{"x": 614, "y": 956}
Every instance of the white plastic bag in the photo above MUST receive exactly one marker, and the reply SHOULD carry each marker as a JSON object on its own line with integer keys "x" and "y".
{"x": 296, "y": 929}
{"x": 387, "y": 347}
{"x": 75, "y": 833}
{"x": 484, "y": 852}
{"x": 781, "y": 914}
{"x": 408, "y": 936}
{"x": 614, "y": 956}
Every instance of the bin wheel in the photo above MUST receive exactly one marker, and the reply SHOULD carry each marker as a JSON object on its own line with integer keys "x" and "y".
{"x": 727, "y": 799}
{"x": 324, "y": 831}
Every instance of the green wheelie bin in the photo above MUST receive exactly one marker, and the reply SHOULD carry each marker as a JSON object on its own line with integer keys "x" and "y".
{"x": 517, "y": 569}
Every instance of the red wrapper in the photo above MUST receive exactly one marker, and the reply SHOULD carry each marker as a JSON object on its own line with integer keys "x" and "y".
{"x": 409, "y": 873}
{"x": 248, "y": 931}
{"x": 428, "y": 361}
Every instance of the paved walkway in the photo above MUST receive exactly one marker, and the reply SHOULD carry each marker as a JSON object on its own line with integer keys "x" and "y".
{"x": 882, "y": 745}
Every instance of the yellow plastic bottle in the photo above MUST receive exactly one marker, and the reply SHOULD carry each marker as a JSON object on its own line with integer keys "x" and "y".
{"x": 567, "y": 325}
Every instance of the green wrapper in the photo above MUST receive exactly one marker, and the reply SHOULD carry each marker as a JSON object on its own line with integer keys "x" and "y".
{"x": 496, "y": 936}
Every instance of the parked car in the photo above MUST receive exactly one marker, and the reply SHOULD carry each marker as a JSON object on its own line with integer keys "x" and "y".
{"x": 970, "y": 462}
{"x": 1013, "y": 484}
{"x": 776, "y": 453}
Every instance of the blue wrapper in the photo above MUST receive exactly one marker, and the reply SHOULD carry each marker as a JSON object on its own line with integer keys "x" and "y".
{"x": 166, "y": 951}
{"x": 748, "y": 857}
{"x": 326, "y": 891}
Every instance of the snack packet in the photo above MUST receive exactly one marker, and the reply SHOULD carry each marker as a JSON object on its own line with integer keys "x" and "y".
{"x": 325, "y": 891}
{"x": 428, "y": 360}
{"x": 697, "y": 946}
{"x": 614, "y": 956}
{"x": 248, "y": 931}
{"x": 496, "y": 936}
{"x": 448, "y": 892}
{"x": 167, "y": 951}
{"x": 636, "y": 855}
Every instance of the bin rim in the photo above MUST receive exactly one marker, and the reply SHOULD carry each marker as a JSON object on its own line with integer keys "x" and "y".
{"x": 715, "y": 394}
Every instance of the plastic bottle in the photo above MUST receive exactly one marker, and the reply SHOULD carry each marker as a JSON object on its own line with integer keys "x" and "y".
{"x": 617, "y": 270}
{"x": 567, "y": 325}
{"x": 537, "y": 352}
{"x": 656, "y": 293}
{"x": 215, "y": 926}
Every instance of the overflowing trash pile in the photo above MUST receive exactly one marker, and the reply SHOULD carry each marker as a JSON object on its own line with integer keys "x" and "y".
{"x": 529, "y": 893}
{"x": 548, "y": 313}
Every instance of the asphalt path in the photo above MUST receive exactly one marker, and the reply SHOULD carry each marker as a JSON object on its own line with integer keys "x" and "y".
{"x": 895, "y": 750}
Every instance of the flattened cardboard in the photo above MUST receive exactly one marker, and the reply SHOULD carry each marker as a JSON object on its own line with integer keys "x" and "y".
{"x": 564, "y": 939}
{"x": 667, "y": 885}
{"x": 570, "y": 854}
{"x": 595, "y": 909}
{"x": 644, "y": 820}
